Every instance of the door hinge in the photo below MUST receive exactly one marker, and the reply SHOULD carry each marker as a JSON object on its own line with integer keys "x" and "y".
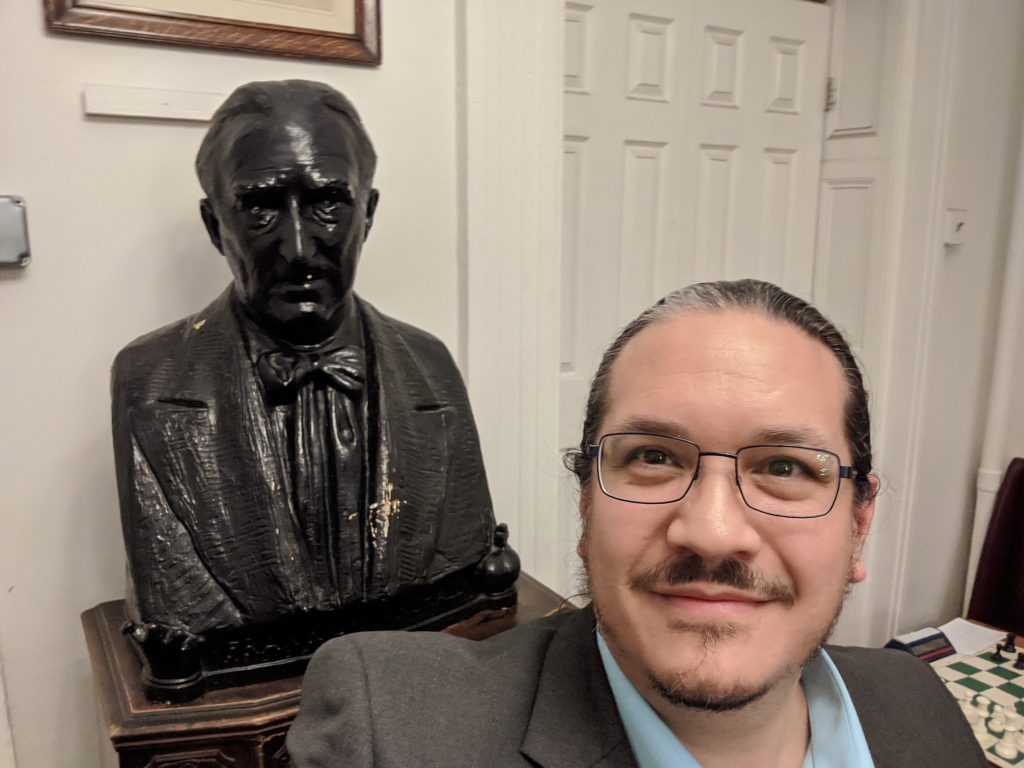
{"x": 830, "y": 93}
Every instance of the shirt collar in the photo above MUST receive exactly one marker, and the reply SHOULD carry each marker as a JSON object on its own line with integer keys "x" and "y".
{"x": 837, "y": 740}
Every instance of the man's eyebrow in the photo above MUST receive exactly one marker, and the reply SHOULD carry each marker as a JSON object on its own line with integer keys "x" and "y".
{"x": 792, "y": 436}
{"x": 771, "y": 435}
{"x": 654, "y": 426}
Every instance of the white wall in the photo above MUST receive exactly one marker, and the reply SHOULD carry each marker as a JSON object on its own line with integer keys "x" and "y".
{"x": 119, "y": 249}
{"x": 938, "y": 129}
{"x": 980, "y": 171}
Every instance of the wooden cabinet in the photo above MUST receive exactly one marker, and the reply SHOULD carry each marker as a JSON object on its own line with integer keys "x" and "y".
{"x": 240, "y": 727}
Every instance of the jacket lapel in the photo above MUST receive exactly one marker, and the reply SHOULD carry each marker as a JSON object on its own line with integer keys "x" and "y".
{"x": 210, "y": 442}
{"x": 574, "y": 723}
{"x": 408, "y": 476}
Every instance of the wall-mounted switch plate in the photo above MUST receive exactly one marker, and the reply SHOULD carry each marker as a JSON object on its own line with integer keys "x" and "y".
{"x": 955, "y": 226}
{"x": 14, "y": 250}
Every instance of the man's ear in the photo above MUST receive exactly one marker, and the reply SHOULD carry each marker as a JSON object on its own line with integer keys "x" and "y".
{"x": 371, "y": 208}
{"x": 862, "y": 517}
{"x": 212, "y": 225}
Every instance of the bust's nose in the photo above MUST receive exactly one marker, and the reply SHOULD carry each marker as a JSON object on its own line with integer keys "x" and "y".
{"x": 296, "y": 242}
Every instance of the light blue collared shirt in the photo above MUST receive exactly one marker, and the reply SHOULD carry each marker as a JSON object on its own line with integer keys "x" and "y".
{"x": 837, "y": 740}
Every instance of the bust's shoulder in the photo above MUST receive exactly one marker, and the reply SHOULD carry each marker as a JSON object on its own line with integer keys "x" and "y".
{"x": 160, "y": 342}
{"x": 152, "y": 353}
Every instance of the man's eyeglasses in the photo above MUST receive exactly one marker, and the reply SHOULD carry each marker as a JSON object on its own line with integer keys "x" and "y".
{"x": 780, "y": 480}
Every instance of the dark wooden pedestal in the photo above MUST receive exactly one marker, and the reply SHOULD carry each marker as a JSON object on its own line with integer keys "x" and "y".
{"x": 241, "y": 727}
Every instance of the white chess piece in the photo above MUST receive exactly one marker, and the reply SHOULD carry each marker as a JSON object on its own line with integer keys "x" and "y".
{"x": 1020, "y": 740}
{"x": 981, "y": 704}
{"x": 977, "y": 723}
{"x": 1006, "y": 747}
{"x": 997, "y": 723}
{"x": 1014, "y": 720}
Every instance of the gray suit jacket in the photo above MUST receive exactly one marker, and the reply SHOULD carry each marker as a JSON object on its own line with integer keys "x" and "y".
{"x": 538, "y": 696}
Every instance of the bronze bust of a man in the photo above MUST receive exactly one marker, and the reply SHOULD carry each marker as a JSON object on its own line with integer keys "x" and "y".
{"x": 291, "y": 463}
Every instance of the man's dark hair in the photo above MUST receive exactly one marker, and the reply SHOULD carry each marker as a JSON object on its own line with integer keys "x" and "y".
{"x": 271, "y": 98}
{"x": 758, "y": 296}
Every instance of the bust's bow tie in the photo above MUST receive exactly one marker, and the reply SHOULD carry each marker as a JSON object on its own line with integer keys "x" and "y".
{"x": 284, "y": 371}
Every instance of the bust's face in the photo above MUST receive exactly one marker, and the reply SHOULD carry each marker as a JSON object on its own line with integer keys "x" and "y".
{"x": 290, "y": 215}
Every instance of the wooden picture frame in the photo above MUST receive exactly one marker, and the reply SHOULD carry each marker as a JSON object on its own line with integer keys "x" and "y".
{"x": 153, "y": 22}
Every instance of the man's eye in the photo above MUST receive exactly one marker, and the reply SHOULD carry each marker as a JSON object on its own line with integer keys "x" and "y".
{"x": 784, "y": 468}
{"x": 650, "y": 457}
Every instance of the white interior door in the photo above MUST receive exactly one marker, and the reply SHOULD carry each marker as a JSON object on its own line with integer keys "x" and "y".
{"x": 693, "y": 141}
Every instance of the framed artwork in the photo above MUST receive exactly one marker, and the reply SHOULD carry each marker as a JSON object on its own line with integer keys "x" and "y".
{"x": 341, "y": 30}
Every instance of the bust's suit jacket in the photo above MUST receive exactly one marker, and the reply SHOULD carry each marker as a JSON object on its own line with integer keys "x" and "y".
{"x": 209, "y": 525}
{"x": 538, "y": 696}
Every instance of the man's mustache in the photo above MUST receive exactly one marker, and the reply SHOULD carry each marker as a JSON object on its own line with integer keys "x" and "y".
{"x": 729, "y": 573}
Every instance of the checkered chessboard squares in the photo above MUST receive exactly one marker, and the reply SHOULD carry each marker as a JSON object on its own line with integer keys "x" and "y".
{"x": 1001, "y": 683}
{"x": 973, "y": 676}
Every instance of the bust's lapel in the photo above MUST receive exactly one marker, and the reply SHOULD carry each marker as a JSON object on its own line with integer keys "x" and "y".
{"x": 408, "y": 475}
{"x": 210, "y": 443}
{"x": 574, "y": 723}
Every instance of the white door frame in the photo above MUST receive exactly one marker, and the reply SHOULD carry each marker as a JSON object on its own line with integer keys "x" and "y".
{"x": 510, "y": 104}
{"x": 922, "y": 128}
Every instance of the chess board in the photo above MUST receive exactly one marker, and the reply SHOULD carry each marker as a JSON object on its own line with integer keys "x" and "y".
{"x": 999, "y": 682}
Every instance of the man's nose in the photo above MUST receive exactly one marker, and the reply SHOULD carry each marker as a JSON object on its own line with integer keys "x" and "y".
{"x": 712, "y": 520}
{"x": 297, "y": 242}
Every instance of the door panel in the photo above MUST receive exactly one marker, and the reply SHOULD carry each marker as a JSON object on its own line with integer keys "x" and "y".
{"x": 694, "y": 131}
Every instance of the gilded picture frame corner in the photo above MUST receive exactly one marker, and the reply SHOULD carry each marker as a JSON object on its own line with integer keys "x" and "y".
{"x": 159, "y": 22}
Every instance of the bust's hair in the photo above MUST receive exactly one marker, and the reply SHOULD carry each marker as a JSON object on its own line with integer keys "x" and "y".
{"x": 757, "y": 296}
{"x": 272, "y": 98}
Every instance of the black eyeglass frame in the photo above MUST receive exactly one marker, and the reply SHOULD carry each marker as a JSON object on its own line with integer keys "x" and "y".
{"x": 846, "y": 472}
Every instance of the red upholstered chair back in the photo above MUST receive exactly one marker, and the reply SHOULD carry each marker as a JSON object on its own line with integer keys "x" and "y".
{"x": 998, "y": 595}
